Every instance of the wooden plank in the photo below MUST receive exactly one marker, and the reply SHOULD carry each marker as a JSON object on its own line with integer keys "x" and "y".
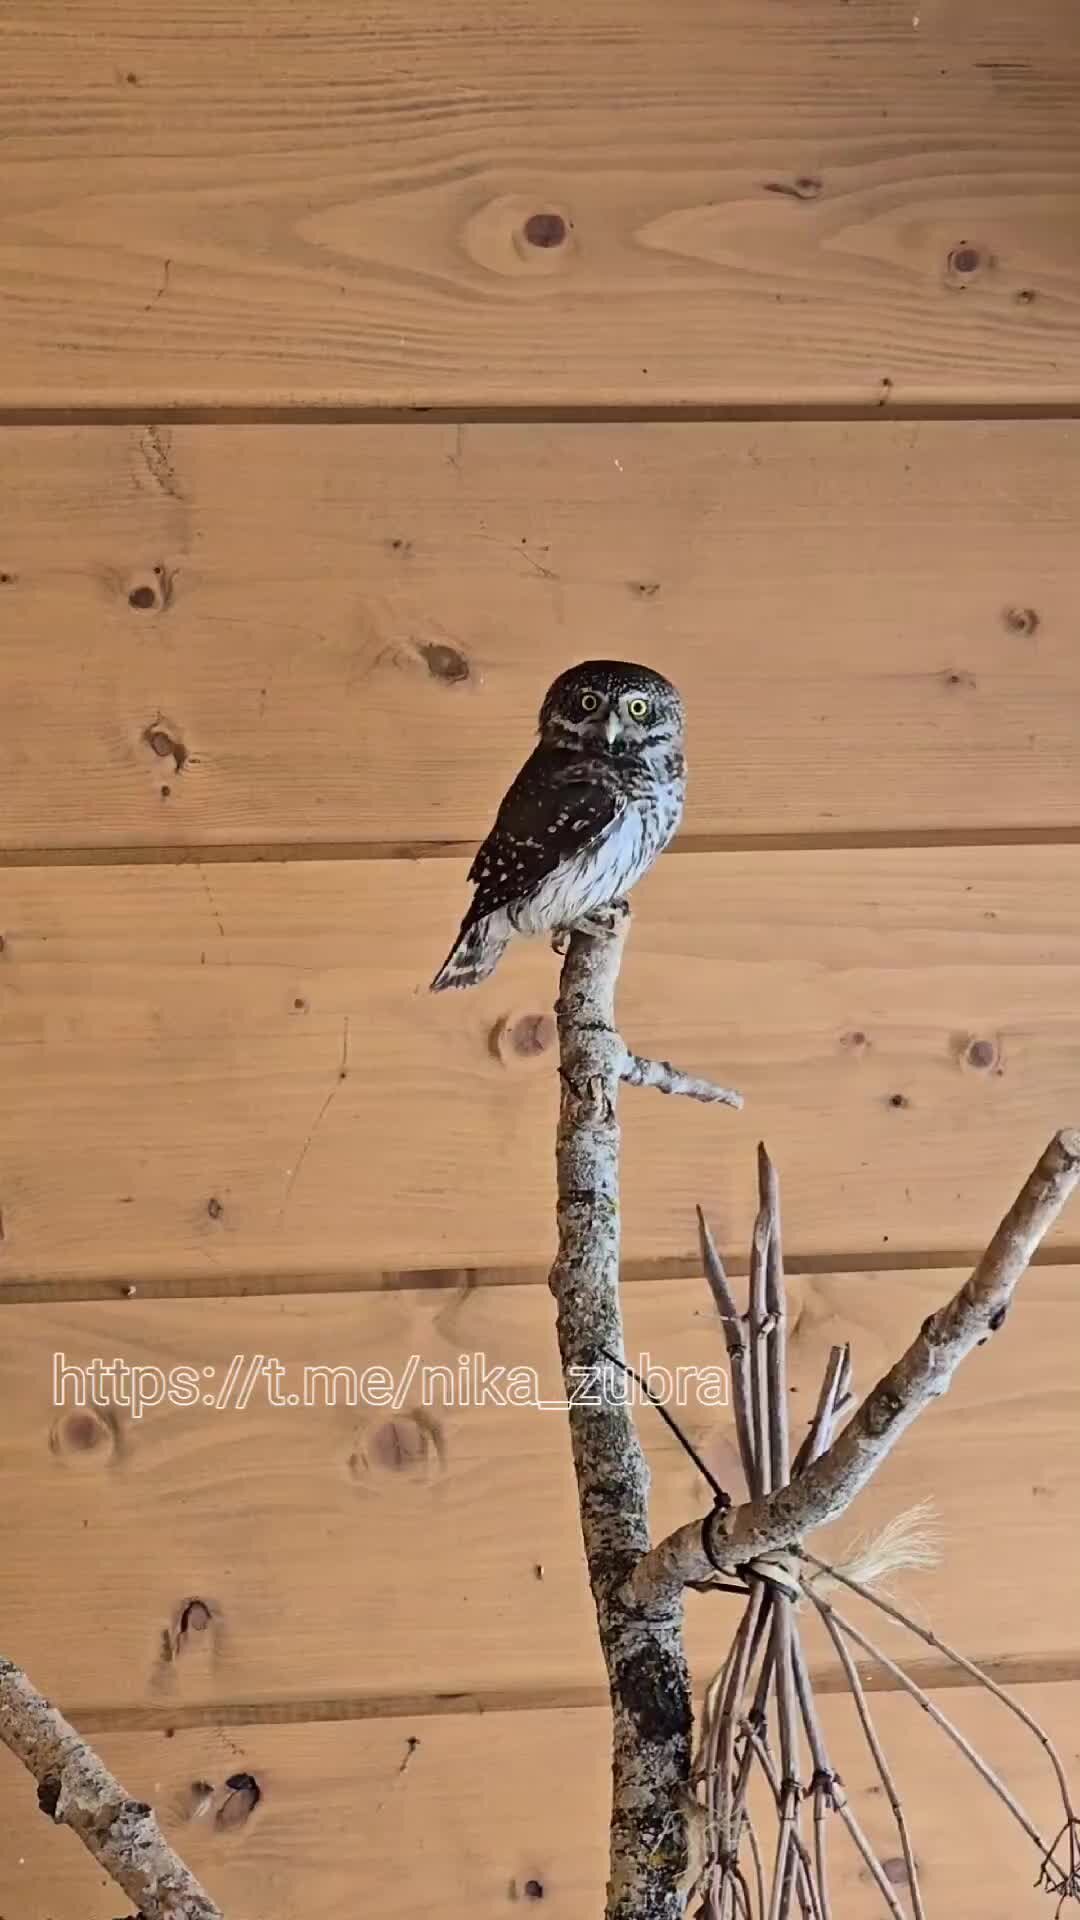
{"x": 766, "y": 203}
{"x": 873, "y": 627}
{"x": 357, "y": 1560}
{"x": 237, "y": 1071}
{"x": 361, "y": 1815}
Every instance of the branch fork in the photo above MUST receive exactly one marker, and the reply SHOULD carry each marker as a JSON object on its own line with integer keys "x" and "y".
{"x": 662, "y": 1800}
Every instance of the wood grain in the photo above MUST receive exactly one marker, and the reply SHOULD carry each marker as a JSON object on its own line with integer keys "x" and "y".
{"x": 436, "y": 1817}
{"x": 341, "y": 635}
{"x": 362, "y": 1558}
{"x": 761, "y": 204}
{"x": 238, "y": 1071}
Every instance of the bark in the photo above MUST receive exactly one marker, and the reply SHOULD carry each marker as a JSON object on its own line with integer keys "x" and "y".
{"x": 647, "y": 1671}
{"x": 76, "y": 1790}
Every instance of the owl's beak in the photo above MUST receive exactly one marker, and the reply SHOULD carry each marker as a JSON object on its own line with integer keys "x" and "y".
{"x": 612, "y": 728}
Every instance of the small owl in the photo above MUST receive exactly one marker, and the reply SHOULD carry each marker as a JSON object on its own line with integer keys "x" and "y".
{"x": 596, "y": 801}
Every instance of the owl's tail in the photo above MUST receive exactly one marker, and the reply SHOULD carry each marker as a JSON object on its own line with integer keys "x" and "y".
{"x": 475, "y": 954}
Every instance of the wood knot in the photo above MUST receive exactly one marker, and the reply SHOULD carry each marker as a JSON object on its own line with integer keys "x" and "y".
{"x": 443, "y": 662}
{"x": 855, "y": 1041}
{"x": 514, "y": 238}
{"x": 152, "y": 594}
{"x": 194, "y": 1629}
{"x": 85, "y": 1437}
{"x": 165, "y": 745}
{"x": 895, "y": 1871}
{"x": 899, "y": 1100}
{"x": 545, "y": 230}
{"x": 1022, "y": 620}
{"x": 1026, "y": 297}
{"x": 958, "y": 677}
{"x": 645, "y": 589}
{"x": 408, "y": 1448}
{"x": 200, "y": 1797}
{"x": 242, "y": 1796}
{"x": 214, "y": 1207}
{"x": 518, "y": 1038}
{"x": 980, "y": 1052}
{"x": 963, "y": 264}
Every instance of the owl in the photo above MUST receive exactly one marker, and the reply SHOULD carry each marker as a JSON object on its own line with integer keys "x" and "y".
{"x": 598, "y": 798}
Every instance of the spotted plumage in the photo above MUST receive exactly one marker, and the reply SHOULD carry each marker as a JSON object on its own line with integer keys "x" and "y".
{"x": 597, "y": 800}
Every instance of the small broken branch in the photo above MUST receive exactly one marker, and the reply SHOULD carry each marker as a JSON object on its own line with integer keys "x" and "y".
{"x": 639, "y": 1072}
{"x": 76, "y": 1789}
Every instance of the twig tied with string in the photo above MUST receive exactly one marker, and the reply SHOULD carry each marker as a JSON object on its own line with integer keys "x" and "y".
{"x": 760, "y": 1716}
{"x": 744, "y": 1702}
{"x": 747, "y": 1699}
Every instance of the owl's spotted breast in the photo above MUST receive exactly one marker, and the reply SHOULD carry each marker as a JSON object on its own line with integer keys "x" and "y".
{"x": 593, "y": 806}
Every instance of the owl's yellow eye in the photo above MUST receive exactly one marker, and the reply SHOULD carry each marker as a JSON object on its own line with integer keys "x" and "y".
{"x": 637, "y": 709}
{"x": 590, "y": 702}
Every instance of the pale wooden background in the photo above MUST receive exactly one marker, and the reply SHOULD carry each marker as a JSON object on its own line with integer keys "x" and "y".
{"x": 315, "y": 470}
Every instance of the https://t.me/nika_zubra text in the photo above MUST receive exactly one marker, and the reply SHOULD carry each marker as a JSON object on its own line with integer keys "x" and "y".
{"x": 470, "y": 1380}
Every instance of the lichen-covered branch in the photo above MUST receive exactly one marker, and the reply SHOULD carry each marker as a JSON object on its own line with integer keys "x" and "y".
{"x": 774, "y": 1521}
{"x": 639, "y": 1072}
{"x": 647, "y": 1672}
{"x": 76, "y": 1790}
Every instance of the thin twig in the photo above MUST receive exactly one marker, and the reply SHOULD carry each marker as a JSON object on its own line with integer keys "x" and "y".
{"x": 940, "y": 1719}
{"x": 759, "y": 1385}
{"x": 931, "y": 1639}
{"x": 744, "y": 1642}
{"x": 873, "y": 1864}
{"x": 858, "y": 1693}
{"x": 825, "y": 1785}
{"x": 734, "y": 1339}
{"x": 827, "y": 1410}
{"x": 776, "y": 1310}
{"x": 760, "y": 1749}
{"x": 759, "y": 1868}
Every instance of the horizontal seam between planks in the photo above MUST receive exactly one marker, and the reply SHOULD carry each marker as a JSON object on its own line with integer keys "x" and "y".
{"x": 308, "y": 852}
{"x": 932, "y": 1675}
{"x": 163, "y": 412}
{"x": 23, "y": 1293}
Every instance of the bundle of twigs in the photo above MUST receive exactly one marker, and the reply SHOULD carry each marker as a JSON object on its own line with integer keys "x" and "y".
{"x": 759, "y": 1714}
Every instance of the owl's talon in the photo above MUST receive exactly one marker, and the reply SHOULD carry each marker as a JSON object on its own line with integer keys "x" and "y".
{"x": 560, "y": 941}
{"x": 602, "y": 920}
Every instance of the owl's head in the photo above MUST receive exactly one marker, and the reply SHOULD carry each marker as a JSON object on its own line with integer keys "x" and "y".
{"x": 611, "y": 706}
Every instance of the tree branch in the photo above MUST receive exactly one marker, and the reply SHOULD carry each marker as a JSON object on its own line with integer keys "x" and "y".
{"x": 77, "y": 1790}
{"x": 647, "y": 1672}
{"x": 726, "y": 1541}
{"x": 639, "y": 1072}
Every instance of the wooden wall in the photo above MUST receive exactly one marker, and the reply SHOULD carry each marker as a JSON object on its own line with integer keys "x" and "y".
{"x": 360, "y": 368}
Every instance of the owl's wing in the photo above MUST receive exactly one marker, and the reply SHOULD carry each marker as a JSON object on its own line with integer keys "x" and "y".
{"x": 557, "y": 807}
